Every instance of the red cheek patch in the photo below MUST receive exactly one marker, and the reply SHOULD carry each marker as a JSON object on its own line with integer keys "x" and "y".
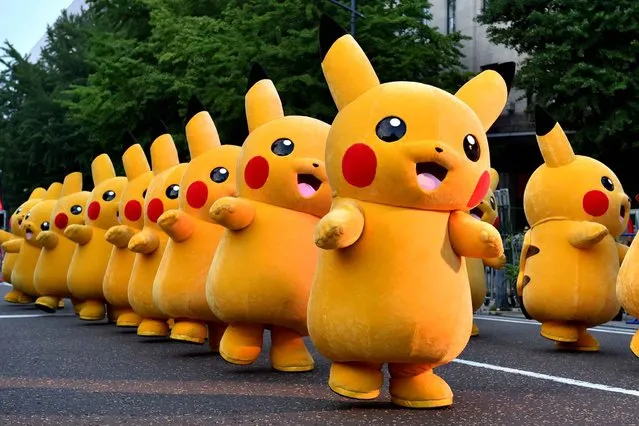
{"x": 61, "y": 221}
{"x": 256, "y": 172}
{"x": 155, "y": 209}
{"x": 595, "y": 203}
{"x": 497, "y": 222}
{"x": 94, "y": 210}
{"x": 480, "y": 190}
{"x": 197, "y": 194}
{"x": 133, "y": 210}
{"x": 359, "y": 165}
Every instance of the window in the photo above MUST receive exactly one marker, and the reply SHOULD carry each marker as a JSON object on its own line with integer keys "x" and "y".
{"x": 450, "y": 24}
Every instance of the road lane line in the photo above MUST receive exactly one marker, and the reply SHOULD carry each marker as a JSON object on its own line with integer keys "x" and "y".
{"x": 599, "y": 329}
{"x": 6, "y": 284}
{"x": 34, "y": 316}
{"x": 564, "y": 380}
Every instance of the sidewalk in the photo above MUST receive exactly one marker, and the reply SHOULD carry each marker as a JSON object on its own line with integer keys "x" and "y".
{"x": 516, "y": 313}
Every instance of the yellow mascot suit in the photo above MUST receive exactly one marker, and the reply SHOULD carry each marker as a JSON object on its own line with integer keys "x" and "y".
{"x": 575, "y": 206}
{"x": 149, "y": 244}
{"x": 404, "y": 160}
{"x": 51, "y": 271}
{"x": 180, "y": 284}
{"x": 12, "y": 246}
{"x": 131, "y": 221}
{"x": 24, "y": 268}
{"x": 264, "y": 265}
{"x": 628, "y": 288}
{"x": 92, "y": 251}
{"x": 486, "y": 211}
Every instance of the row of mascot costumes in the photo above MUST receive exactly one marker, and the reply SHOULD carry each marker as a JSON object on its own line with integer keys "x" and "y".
{"x": 309, "y": 229}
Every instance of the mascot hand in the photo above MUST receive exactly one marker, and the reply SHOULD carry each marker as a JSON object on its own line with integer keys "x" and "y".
{"x": 232, "y": 213}
{"x": 177, "y": 224}
{"x": 145, "y": 242}
{"x": 119, "y": 235}
{"x": 80, "y": 234}
{"x": 47, "y": 239}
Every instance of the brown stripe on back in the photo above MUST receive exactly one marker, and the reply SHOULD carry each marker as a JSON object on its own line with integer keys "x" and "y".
{"x": 525, "y": 281}
{"x": 532, "y": 250}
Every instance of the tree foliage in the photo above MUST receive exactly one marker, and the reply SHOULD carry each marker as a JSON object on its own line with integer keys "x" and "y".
{"x": 580, "y": 61}
{"x": 123, "y": 64}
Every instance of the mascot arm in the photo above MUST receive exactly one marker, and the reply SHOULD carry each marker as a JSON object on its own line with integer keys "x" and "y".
{"x": 120, "y": 235}
{"x": 177, "y": 224}
{"x": 12, "y": 246}
{"x": 341, "y": 227}
{"x": 473, "y": 238}
{"x": 47, "y": 239}
{"x": 144, "y": 242}
{"x": 622, "y": 249}
{"x": 5, "y": 236}
{"x": 583, "y": 235}
{"x": 233, "y": 213}
{"x": 80, "y": 234}
{"x": 496, "y": 262}
{"x": 522, "y": 263}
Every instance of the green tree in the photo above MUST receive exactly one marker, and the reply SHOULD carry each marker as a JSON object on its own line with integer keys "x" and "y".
{"x": 580, "y": 61}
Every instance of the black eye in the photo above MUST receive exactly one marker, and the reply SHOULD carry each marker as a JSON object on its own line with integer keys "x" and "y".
{"x": 28, "y": 215}
{"x": 607, "y": 183}
{"x": 471, "y": 148}
{"x": 219, "y": 174}
{"x": 45, "y": 226}
{"x": 108, "y": 195}
{"x": 391, "y": 129}
{"x": 173, "y": 191}
{"x": 144, "y": 194}
{"x": 493, "y": 204}
{"x": 76, "y": 210}
{"x": 282, "y": 147}
{"x": 19, "y": 210}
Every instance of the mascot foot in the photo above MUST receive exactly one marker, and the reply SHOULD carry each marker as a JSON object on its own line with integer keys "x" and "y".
{"x": 585, "y": 343}
{"x": 92, "y": 310}
{"x": 77, "y": 306}
{"x": 215, "y": 333}
{"x": 634, "y": 344}
{"x": 189, "y": 331}
{"x": 288, "y": 351}
{"x": 128, "y": 319}
{"x": 242, "y": 343}
{"x": 357, "y": 380}
{"x": 16, "y": 296}
{"x": 475, "y": 331}
{"x": 153, "y": 328}
{"x": 48, "y": 304}
{"x": 560, "y": 331}
{"x": 61, "y": 304}
{"x": 416, "y": 386}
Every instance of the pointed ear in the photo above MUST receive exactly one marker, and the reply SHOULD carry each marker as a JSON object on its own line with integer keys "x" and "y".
{"x": 347, "y": 70}
{"x": 201, "y": 133}
{"x": 102, "y": 169}
{"x": 164, "y": 154}
{"x": 494, "y": 179}
{"x": 262, "y": 102}
{"x": 38, "y": 192}
{"x": 487, "y": 93}
{"x": 53, "y": 191}
{"x": 135, "y": 162}
{"x": 553, "y": 143}
{"x": 71, "y": 184}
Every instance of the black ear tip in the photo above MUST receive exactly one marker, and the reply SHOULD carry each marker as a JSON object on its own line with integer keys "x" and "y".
{"x": 544, "y": 122}
{"x": 159, "y": 129}
{"x": 195, "y": 106}
{"x": 256, "y": 74}
{"x": 329, "y": 32}
{"x": 506, "y": 70}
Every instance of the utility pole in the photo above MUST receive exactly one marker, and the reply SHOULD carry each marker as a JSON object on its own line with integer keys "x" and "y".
{"x": 354, "y": 13}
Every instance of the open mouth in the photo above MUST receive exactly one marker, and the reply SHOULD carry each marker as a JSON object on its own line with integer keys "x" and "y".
{"x": 430, "y": 175}
{"x": 28, "y": 235}
{"x": 477, "y": 213}
{"x": 308, "y": 185}
{"x": 622, "y": 214}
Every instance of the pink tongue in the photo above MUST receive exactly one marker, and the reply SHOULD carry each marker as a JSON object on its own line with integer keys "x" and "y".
{"x": 475, "y": 216}
{"x": 305, "y": 189}
{"x": 29, "y": 234}
{"x": 428, "y": 182}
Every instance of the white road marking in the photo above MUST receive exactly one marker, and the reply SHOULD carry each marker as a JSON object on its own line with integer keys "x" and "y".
{"x": 35, "y": 316}
{"x": 6, "y": 284}
{"x": 599, "y": 329}
{"x": 558, "y": 379}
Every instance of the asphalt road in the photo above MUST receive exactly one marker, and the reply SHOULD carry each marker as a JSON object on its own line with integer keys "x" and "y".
{"x": 55, "y": 369}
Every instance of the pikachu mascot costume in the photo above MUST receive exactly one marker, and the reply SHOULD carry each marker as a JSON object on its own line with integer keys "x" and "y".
{"x": 51, "y": 271}
{"x": 92, "y": 251}
{"x": 404, "y": 160}
{"x": 131, "y": 220}
{"x": 487, "y": 212}
{"x": 575, "y": 206}
{"x": 180, "y": 284}
{"x": 628, "y": 288}
{"x": 24, "y": 268}
{"x": 282, "y": 194}
{"x": 11, "y": 246}
{"x": 150, "y": 242}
